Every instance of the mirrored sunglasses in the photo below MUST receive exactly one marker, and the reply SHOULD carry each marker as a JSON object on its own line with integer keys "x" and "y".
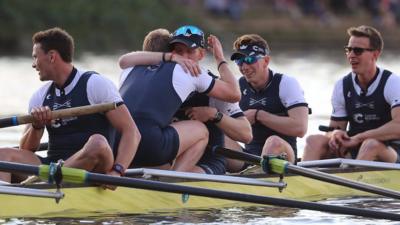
{"x": 188, "y": 30}
{"x": 356, "y": 50}
{"x": 248, "y": 60}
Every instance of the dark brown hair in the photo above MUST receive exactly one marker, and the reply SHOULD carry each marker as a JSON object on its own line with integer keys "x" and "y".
{"x": 375, "y": 38}
{"x": 56, "y": 39}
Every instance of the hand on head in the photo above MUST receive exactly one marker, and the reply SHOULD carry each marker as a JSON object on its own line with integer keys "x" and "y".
{"x": 215, "y": 46}
{"x": 188, "y": 65}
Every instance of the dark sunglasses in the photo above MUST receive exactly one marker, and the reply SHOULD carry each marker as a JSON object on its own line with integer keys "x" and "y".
{"x": 248, "y": 60}
{"x": 357, "y": 50}
{"x": 188, "y": 30}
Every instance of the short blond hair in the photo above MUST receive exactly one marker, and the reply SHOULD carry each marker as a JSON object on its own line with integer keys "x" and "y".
{"x": 253, "y": 39}
{"x": 157, "y": 41}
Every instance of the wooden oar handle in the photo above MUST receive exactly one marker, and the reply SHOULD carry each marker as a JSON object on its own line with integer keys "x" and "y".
{"x": 62, "y": 113}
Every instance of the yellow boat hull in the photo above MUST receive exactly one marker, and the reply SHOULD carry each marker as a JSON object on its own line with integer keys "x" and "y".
{"x": 86, "y": 201}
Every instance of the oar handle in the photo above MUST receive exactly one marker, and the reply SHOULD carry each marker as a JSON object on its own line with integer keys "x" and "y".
{"x": 62, "y": 113}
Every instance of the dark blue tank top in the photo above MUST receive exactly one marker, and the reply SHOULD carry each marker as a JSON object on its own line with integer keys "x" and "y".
{"x": 268, "y": 100}
{"x": 366, "y": 112}
{"x": 68, "y": 135}
{"x": 144, "y": 102}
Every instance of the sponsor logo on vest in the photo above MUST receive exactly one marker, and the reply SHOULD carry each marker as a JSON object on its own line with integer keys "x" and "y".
{"x": 360, "y": 118}
{"x": 370, "y": 105}
{"x": 262, "y": 101}
{"x": 62, "y": 122}
{"x": 66, "y": 104}
{"x": 245, "y": 92}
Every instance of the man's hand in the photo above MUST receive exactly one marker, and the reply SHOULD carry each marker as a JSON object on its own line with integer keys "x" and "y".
{"x": 352, "y": 142}
{"x": 215, "y": 46}
{"x": 41, "y": 117}
{"x": 188, "y": 65}
{"x": 111, "y": 187}
{"x": 203, "y": 113}
{"x": 250, "y": 115}
{"x": 336, "y": 141}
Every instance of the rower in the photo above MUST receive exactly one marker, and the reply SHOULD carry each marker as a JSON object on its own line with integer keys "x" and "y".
{"x": 163, "y": 141}
{"x": 367, "y": 99}
{"x": 81, "y": 141}
{"x": 273, "y": 103}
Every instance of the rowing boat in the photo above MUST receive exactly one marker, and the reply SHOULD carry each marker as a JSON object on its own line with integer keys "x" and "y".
{"x": 82, "y": 200}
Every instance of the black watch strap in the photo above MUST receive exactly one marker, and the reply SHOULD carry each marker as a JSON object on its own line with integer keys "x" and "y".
{"x": 119, "y": 169}
{"x": 218, "y": 117}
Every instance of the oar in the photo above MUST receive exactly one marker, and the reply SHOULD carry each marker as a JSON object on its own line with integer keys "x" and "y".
{"x": 30, "y": 192}
{"x": 204, "y": 177}
{"x": 350, "y": 162}
{"x": 281, "y": 167}
{"x": 82, "y": 176}
{"x": 62, "y": 113}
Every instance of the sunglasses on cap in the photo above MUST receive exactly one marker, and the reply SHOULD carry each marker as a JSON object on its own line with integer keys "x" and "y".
{"x": 248, "y": 60}
{"x": 188, "y": 31}
{"x": 357, "y": 50}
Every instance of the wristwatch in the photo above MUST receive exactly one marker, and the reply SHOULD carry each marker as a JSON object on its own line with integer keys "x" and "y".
{"x": 217, "y": 117}
{"x": 119, "y": 169}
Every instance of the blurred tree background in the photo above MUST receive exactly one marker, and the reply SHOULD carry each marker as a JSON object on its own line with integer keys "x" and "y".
{"x": 114, "y": 26}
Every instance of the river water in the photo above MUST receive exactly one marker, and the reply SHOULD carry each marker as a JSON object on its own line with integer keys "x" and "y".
{"x": 316, "y": 72}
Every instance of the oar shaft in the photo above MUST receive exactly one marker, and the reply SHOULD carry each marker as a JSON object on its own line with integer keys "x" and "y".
{"x": 30, "y": 192}
{"x": 62, "y": 113}
{"x": 342, "y": 181}
{"x": 234, "y": 196}
{"x": 312, "y": 174}
{"x": 242, "y": 156}
{"x": 19, "y": 167}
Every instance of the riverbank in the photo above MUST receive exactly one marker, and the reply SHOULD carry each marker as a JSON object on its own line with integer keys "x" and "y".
{"x": 288, "y": 30}
{"x": 113, "y": 27}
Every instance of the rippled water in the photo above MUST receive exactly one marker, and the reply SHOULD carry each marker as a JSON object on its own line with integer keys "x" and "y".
{"x": 256, "y": 215}
{"x": 316, "y": 72}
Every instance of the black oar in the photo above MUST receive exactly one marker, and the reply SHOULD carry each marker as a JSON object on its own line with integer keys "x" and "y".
{"x": 82, "y": 176}
{"x": 76, "y": 111}
{"x": 281, "y": 167}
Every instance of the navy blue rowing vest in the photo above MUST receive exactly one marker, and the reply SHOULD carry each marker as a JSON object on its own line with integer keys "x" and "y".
{"x": 268, "y": 100}
{"x": 144, "y": 102}
{"x": 366, "y": 112}
{"x": 150, "y": 96}
{"x": 68, "y": 135}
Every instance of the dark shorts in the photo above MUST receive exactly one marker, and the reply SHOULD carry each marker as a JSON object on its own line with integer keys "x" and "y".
{"x": 212, "y": 163}
{"x": 45, "y": 160}
{"x": 49, "y": 159}
{"x": 394, "y": 145}
{"x": 157, "y": 147}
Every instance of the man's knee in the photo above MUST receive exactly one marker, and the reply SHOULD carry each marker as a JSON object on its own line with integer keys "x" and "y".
{"x": 9, "y": 154}
{"x": 274, "y": 142}
{"x": 97, "y": 146}
{"x": 371, "y": 145}
{"x": 316, "y": 140}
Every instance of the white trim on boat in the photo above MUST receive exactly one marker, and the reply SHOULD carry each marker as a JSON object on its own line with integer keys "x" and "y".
{"x": 349, "y": 162}
{"x": 204, "y": 177}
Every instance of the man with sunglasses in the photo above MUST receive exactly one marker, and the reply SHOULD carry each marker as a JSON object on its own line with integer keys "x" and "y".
{"x": 367, "y": 99}
{"x": 273, "y": 103}
{"x": 165, "y": 85}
